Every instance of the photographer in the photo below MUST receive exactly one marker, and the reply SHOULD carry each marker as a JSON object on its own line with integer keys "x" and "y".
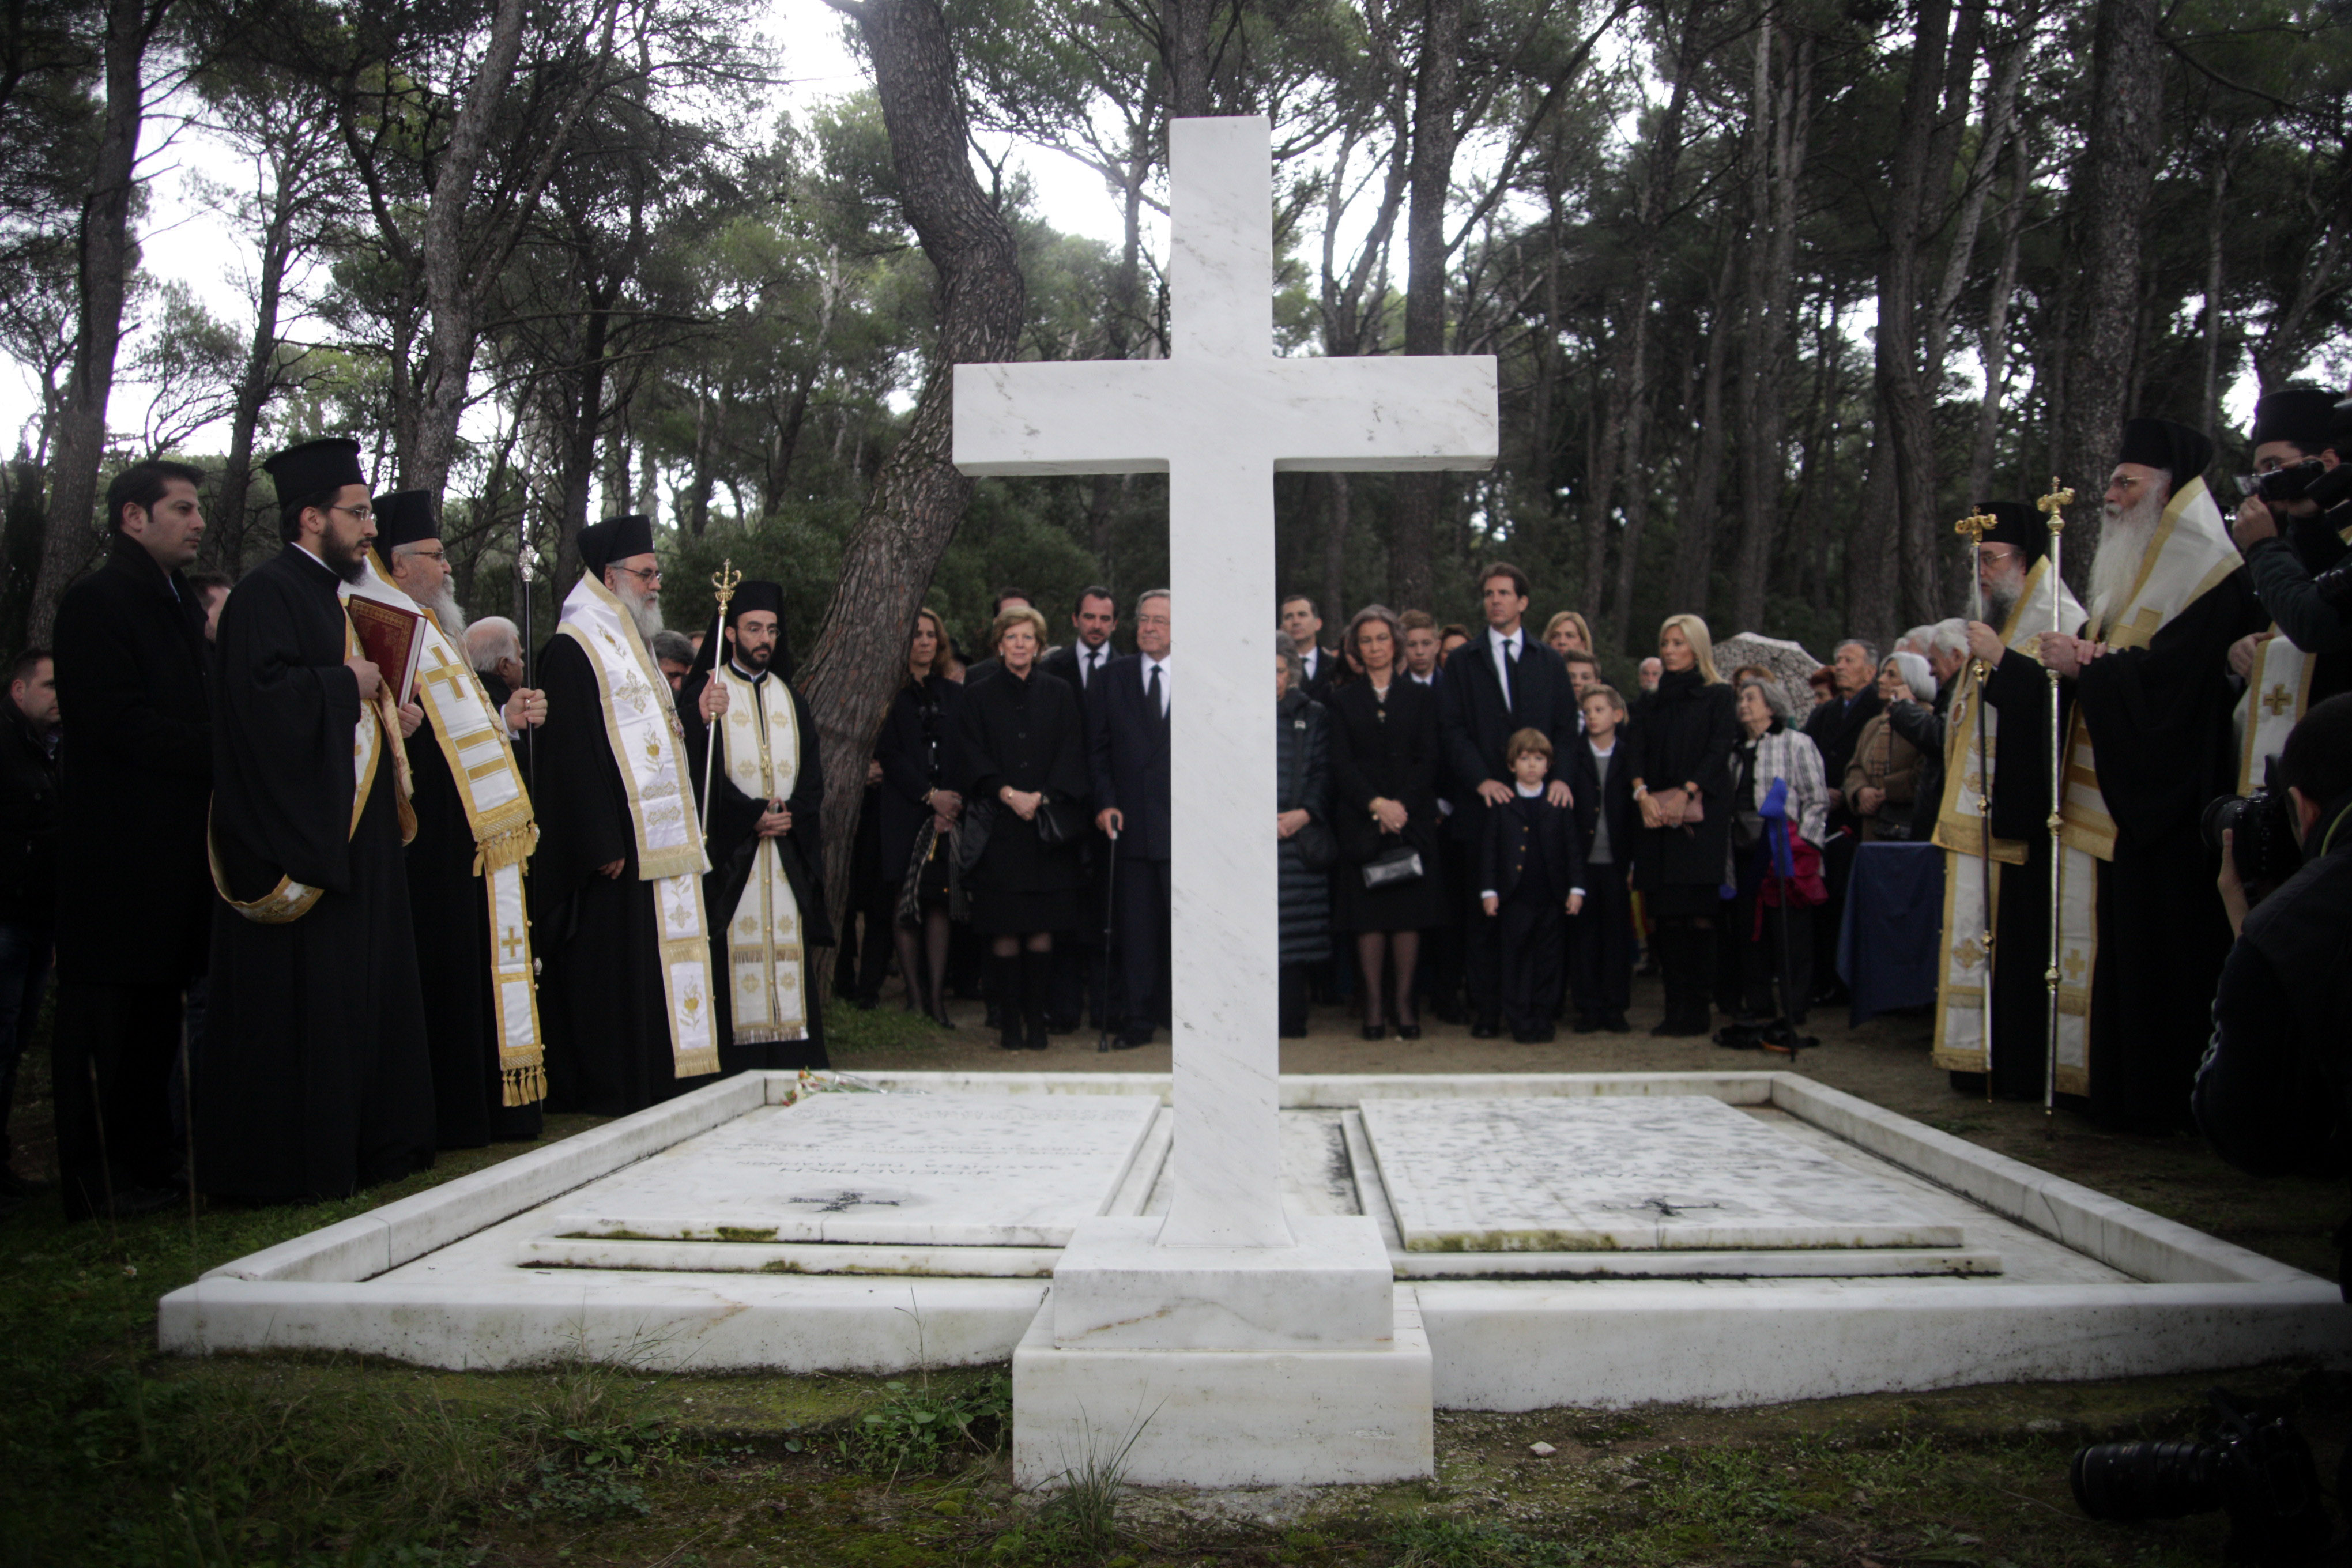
{"x": 2291, "y": 525}
{"x": 2275, "y": 1086}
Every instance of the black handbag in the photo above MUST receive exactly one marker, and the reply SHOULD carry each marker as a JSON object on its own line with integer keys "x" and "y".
{"x": 1058, "y": 824}
{"x": 1316, "y": 845}
{"x": 1392, "y": 869}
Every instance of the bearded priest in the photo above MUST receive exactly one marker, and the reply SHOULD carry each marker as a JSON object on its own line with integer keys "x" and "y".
{"x": 2142, "y": 932}
{"x": 313, "y": 1081}
{"x": 474, "y": 833}
{"x": 765, "y": 893}
{"x": 2005, "y": 761}
{"x": 616, "y": 883}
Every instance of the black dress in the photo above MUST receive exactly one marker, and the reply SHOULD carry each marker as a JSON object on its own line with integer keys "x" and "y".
{"x": 918, "y": 753}
{"x": 1685, "y": 735}
{"x": 1385, "y": 747}
{"x": 1025, "y": 732}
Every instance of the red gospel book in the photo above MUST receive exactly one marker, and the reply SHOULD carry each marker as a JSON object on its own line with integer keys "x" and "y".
{"x": 393, "y": 638}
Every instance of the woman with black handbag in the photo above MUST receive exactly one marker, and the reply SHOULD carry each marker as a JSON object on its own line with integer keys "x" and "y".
{"x": 1302, "y": 823}
{"x": 1023, "y": 745}
{"x": 919, "y": 807}
{"x": 1385, "y": 788}
{"x": 1682, "y": 785}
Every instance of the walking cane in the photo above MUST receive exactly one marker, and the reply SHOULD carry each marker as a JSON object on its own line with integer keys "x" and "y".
{"x": 1976, "y": 526}
{"x": 1110, "y": 909}
{"x": 722, "y": 585}
{"x": 2054, "y": 504}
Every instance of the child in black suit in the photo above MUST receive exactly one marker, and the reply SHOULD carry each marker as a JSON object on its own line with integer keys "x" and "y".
{"x": 1530, "y": 870}
{"x": 1601, "y": 938}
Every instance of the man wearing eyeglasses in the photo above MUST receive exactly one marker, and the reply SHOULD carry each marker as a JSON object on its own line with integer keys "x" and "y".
{"x": 313, "y": 1081}
{"x": 617, "y": 910}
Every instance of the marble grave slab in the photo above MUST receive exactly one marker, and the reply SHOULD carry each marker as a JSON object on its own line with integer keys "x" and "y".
{"x": 1625, "y": 1173}
{"x": 926, "y": 1170}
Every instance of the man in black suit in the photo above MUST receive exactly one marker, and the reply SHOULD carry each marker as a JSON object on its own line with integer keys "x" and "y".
{"x": 1497, "y": 683}
{"x": 1836, "y": 727}
{"x": 1128, "y": 740}
{"x": 1302, "y": 625}
{"x": 135, "y": 912}
{"x": 1080, "y": 979}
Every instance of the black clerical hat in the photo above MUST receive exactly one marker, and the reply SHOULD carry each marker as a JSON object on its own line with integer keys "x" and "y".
{"x": 314, "y": 467}
{"x": 405, "y": 517}
{"x": 2161, "y": 444}
{"x": 2300, "y": 415}
{"x": 2017, "y": 523}
{"x": 757, "y": 594}
{"x": 615, "y": 538}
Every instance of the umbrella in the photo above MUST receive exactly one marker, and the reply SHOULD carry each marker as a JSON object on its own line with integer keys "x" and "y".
{"x": 1789, "y": 663}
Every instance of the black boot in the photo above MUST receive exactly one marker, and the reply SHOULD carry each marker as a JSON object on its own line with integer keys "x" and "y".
{"x": 1037, "y": 989}
{"x": 1004, "y": 991}
{"x": 1683, "y": 956}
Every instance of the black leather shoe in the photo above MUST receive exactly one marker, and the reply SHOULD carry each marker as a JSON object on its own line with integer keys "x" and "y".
{"x": 1482, "y": 1030}
{"x": 1617, "y": 1025}
{"x": 1408, "y": 1031}
{"x": 1132, "y": 1036}
{"x": 1376, "y": 1031}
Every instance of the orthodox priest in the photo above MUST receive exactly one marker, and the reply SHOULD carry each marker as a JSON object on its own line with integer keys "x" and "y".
{"x": 314, "y": 1079}
{"x": 2282, "y": 680}
{"x": 2142, "y": 931}
{"x": 766, "y": 810}
{"x": 1993, "y": 821}
{"x": 474, "y": 833}
{"x": 616, "y": 886}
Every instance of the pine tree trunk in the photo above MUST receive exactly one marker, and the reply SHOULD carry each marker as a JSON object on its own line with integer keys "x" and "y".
{"x": 1436, "y": 132}
{"x": 858, "y": 656}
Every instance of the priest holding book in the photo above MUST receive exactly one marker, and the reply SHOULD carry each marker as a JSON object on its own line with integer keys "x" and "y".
{"x": 314, "y": 1081}
{"x": 475, "y": 832}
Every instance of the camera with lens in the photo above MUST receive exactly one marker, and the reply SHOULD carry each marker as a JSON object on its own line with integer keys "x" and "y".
{"x": 2289, "y": 481}
{"x": 2258, "y": 1469}
{"x": 2264, "y": 844}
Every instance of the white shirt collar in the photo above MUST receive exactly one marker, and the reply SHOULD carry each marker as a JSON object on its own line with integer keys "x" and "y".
{"x": 1526, "y": 794}
{"x": 1499, "y": 638}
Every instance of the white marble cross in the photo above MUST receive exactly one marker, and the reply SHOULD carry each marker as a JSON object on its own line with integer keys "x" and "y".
{"x": 1220, "y": 415}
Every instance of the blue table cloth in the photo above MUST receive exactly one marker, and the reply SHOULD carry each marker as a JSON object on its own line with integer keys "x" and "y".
{"x": 1891, "y": 940}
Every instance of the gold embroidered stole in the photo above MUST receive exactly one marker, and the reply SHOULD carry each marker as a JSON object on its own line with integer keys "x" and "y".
{"x": 2275, "y": 701}
{"x": 649, "y": 745}
{"x": 765, "y": 958}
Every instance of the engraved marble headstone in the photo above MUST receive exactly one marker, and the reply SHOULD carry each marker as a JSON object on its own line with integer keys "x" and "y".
{"x": 1635, "y": 1173}
{"x": 1220, "y": 415}
{"x": 935, "y": 1170}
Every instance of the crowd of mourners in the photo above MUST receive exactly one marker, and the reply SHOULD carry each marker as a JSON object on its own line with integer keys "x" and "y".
{"x": 312, "y": 916}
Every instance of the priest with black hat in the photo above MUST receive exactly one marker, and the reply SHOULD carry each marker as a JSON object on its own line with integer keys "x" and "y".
{"x": 314, "y": 1079}
{"x": 2141, "y": 930}
{"x": 626, "y": 985}
{"x": 2000, "y": 758}
{"x": 475, "y": 831}
{"x": 766, "y": 808}
{"x": 2306, "y": 655}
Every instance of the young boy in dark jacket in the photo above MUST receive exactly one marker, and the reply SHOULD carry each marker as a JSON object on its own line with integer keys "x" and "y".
{"x": 1530, "y": 876}
{"x": 1600, "y": 773}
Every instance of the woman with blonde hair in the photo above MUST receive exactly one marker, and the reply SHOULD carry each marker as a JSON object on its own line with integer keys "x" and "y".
{"x": 1681, "y": 756}
{"x": 1568, "y": 633}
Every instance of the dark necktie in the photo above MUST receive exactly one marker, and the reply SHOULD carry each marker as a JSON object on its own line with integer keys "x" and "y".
{"x": 1510, "y": 673}
{"x": 1086, "y": 676}
{"x": 1151, "y": 691}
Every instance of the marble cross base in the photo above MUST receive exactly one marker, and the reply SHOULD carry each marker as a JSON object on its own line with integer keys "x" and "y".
{"x": 1115, "y": 1289}
{"x": 1225, "y": 1417}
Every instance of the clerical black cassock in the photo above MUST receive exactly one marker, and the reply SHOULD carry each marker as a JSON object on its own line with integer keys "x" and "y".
{"x": 625, "y": 993}
{"x": 314, "y": 1079}
{"x": 465, "y": 892}
{"x": 2286, "y": 680}
{"x": 2148, "y": 746}
{"x": 2009, "y": 754}
{"x": 765, "y": 897}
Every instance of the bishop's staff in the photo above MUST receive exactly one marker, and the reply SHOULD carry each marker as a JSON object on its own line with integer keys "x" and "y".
{"x": 2055, "y": 504}
{"x": 526, "y": 567}
{"x": 723, "y": 584}
{"x": 1976, "y": 525}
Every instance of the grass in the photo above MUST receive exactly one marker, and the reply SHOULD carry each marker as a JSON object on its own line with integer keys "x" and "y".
{"x": 111, "y": 1455}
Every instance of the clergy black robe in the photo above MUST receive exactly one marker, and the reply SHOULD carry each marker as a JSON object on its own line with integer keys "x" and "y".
{"x": 598, "y": 940}
{"x": 449, "y": 904}
{"x": 2160, "y": 724}
{"x": 734, "y": 817}
{"x": 314, "y": 1081}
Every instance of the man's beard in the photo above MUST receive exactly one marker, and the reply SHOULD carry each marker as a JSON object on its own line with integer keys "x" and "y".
{"x": 2001, "y": 596}
{"x": 645, "y": 610}
{"x": 753, "y": 661}
{"x": 348, "y": 562}
{"x": 2123, "y": 537}
{"x": 444, "y": 606}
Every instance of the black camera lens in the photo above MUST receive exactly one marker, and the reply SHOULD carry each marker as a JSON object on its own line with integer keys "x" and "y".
{"x": 2145, "y": 1480}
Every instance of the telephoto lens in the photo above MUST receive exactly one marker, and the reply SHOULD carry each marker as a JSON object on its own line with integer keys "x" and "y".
{"x": 2125, "y": 1481}
{"x": 2259, "y": 1470}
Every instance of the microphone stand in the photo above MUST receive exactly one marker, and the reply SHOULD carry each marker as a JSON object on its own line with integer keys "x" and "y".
{"x": 2054, "y": 505}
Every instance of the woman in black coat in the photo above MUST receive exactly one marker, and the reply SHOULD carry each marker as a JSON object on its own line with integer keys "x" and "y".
{"x": 1384, "y": 796}
{"x": 1302, "y": 804}
{"x": 917, "y": 753}
{"x": 1682, "y": 782}
{"x": 1023, "y": 745}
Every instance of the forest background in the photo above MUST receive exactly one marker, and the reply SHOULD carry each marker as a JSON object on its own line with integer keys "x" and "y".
{"x": 1778, "y": 288}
